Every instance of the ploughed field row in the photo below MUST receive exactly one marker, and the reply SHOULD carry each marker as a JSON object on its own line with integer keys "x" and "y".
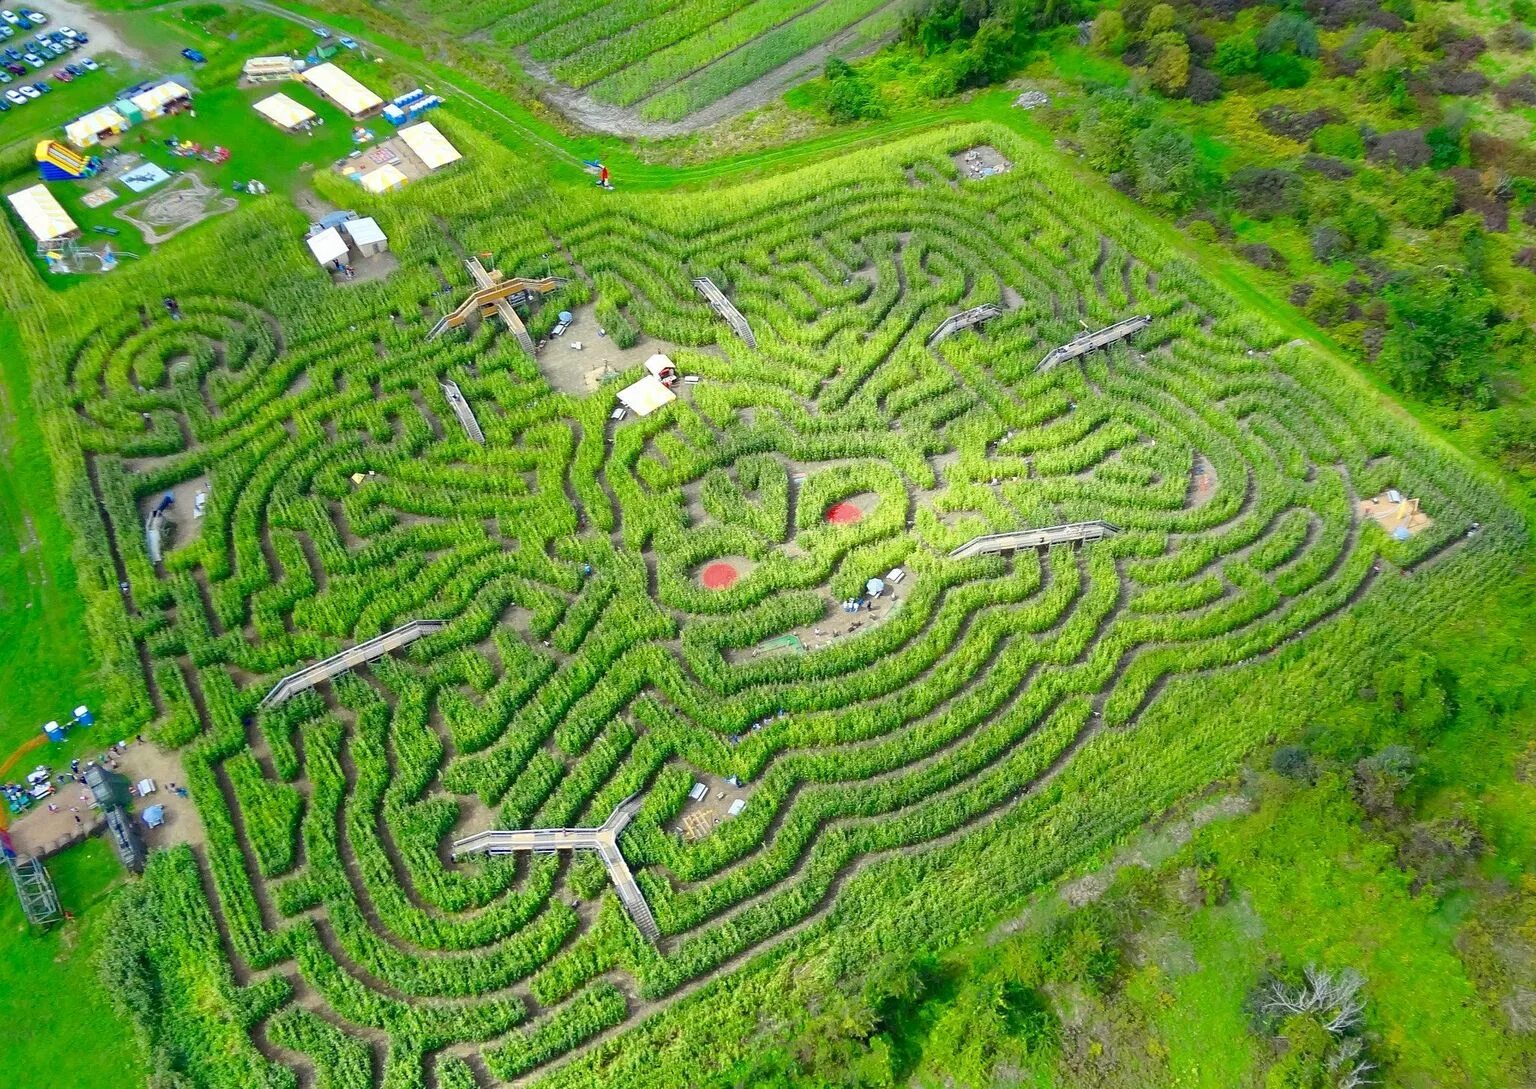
{"x": 586, "y": 658}
{"x": 666, "y": 58}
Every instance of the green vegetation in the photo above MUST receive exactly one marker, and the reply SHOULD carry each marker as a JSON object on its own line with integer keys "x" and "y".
{"x": 60, "y": 1018}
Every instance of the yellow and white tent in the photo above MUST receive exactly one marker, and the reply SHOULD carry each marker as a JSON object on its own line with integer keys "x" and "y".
{"x": 154, "y": 101}
{"x": 386, "y": 179}
{"x": 284, "y": 112}
{"x": 342, "y": 89}
{"x": 87, "y": 131}
{"x": 430, "y": 145}
{"x": 42, "y": 213}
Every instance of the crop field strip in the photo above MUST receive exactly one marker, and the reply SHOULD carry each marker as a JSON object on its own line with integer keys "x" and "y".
{"x": 363, "y": 955}
{"x": 665, "y": 58}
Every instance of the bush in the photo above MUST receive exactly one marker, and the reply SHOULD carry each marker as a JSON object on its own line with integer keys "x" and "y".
{"x": 1264, "y": 192}
{"x": 1290, "y": 33}
{"x": 1338, "y": 140}
{"x": 1283, "y": 71}
{"x": 1425, "y": 199}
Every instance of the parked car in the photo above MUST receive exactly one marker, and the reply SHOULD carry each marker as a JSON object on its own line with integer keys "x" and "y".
{"x": 55, "y": 50}
{"x": 34, "y": 15}
{"x": 5, "y": 77}
{"x": 15, "y": 98}
{"x": 81, "y": 38}
{"x": 7, "y": 30}
{"x": 12, "y": 53}
{"x": 4, "y": 105}
{"x": 30, "y": 91}
{"x": 74, "y": 70}
{"x": 41, "y": 86}
{"x": 89, "y": 64}
{"x": 194, "y": 56}
{"x": 23, "y": 22}
{"x": 69, "y": 32}
{"x": 321, "y": 32}
{"x": 32, "y": 60}
{"x": 63, "y": 75}
{"x": 10, "y": 17}
{"x": 347, "y": 43}
{"x": 16, "y": 68}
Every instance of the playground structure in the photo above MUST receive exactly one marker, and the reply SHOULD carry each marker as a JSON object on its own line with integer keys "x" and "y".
{"x": 1020, "y": 539}
{"x": 67, "y": 256}
{"x": 56, "y": 162}
{"x": 966, "y": 319}
{"x": 120, "y": 829}
{"x": 1395, "y": 513}
{"x": 494, "y": 294}
{"x": 39, "y": 901}
{"x": 1093, "y": 340}
{"x": 462, "y": 410}
{"x": 349, "y": 659}
{"x": 723, "y": 306}
{"x": 604, "y": 840}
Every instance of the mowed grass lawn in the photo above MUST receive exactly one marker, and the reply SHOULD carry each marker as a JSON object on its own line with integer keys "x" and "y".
{"x": 60, "y": 1028}
{"x": 225, "y": 117}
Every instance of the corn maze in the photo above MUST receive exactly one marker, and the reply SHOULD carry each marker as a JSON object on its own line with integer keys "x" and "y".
{"x": 1002, "y": 716}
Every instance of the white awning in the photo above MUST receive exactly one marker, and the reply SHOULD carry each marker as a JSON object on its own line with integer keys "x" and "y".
{"x": 154, "y": 100}
{"x": 365, "y": 231}
{"x": 342, "y": 89}
{"x": 386, "y": 179}
{"x": 429, "y": 145}
{"x": 42, "y": 213}
{"x": 328, "y": 246}
{"x": 646, "y": 396}
{"x": 270, "y": 66}
{"x": 284, "y": 111}
{"x": 87, "y": 130}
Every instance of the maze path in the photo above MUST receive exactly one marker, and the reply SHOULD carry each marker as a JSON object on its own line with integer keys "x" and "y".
{"x": 584, "y": 660}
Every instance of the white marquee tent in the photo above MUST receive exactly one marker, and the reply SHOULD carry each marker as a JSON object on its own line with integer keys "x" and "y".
{"x": 386, "y": 179}
{"x": 430, "y": 145}
{"x": 42, "y": 213}
{"x": 328, "y": 246}
{"x": 284, "y": 112}
{"x": 88, "y": 130}
{"x": 342, "y": 89}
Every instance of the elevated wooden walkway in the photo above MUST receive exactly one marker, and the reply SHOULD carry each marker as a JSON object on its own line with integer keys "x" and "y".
{"x": 350, "y": 658}
{"x": 964, "y": 320}
{"x": 462, "y": 410}
{"x": 725, "y": 309}
{"x": 1019, "y": 539}
{"x": 604, "y": 840}
{"x": 496, "y": 295}
{"x": 1084, "y": 343}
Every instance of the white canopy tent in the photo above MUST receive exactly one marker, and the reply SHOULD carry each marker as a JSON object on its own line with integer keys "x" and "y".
{"x": 342, "y": 89}
{"x": 646, "y": 396}
{"x": 430, "y": 145}
{"x": 88, "y": 130}
{"x": 328, "y": 246}
{"x": 43, "y": 214}
{"x": 386, "y": 179}
{"x": 154, "y": 101}
{"x": 284, "y": 112}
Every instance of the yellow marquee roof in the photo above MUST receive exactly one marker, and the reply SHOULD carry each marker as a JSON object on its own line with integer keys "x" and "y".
{"x": 384, "y": 180}
{"x": 85, "y": 131}
{"x": 42, "y": 213}
{"x": 342, "y": 89}
{"x": 284, "y": 111}
{"x": 429, "y": 145}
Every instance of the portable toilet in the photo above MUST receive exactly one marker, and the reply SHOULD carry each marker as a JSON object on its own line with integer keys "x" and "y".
{"x": 130, "y": 113}
{"x": 54, "y": 731}
{"x": 83, "y": 715}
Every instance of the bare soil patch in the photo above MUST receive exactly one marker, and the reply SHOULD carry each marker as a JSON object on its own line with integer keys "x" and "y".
{"x": 981, "y": 161}
{"x": 182, "y": 202}
{"x": 579, "y": 371}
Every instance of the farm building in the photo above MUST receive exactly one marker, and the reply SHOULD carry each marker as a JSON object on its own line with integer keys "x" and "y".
{"x": 367, "y": 236}
{"x": 43, "y": 214}
{"x": 328, "y": 246}
{"x": 430, "y": 145}
{"x": 94, "y": 127}
{"x": 342, "y": 89}
{"x": 284, "y": 112}
{"x": 165, "y": 98}
{"x": 646, "y": 396}
{"x": 386, "y": 179}
{"x": 271, "y": 69}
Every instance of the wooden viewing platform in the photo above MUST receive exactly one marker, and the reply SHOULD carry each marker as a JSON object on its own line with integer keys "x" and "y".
{"x": 964, "y": 320}
{"x": 462, "y": 410}
{"x": 1019, "y": 539}
{"x": 604, "y": 840}
{"x": 350, "y": 658}
{"x": 495, "y": 294}
{"x": 725, "y": 309}
{"x": 1084, "y": 343}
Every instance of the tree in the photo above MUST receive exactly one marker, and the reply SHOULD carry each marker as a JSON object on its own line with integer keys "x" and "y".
{"x": 1289, "y": 32}
{"x": 1169, "y": 71}
{"x": 1236, "y": 56}
{"x": 851, "y": 97}
{"x": 1381, "y": 779}
{"x": 1108, "y": 33}
{"x": 1159, "y": 20}
{"x": 1426, "y": 199}
{"x": 1166, "y": 170}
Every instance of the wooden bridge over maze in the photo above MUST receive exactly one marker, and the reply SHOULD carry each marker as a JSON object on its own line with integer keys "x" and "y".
{"x": 725, "y": 308}
{"x": 964, "y": 320}
{"x": 603, "y": 839}
{"x": 495, "y": 294}
{"x": 350, "y": 659}
{"x": 1020, "y": 539}
{"x": 1092, "y": 341}
{"x": 462, "y": 410}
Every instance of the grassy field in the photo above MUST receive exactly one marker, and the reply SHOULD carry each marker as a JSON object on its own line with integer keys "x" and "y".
{"x": 59, "y": 1018}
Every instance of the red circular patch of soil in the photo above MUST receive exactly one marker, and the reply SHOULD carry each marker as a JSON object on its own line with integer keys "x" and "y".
{"x": 719, "y": 576}
{"x": 843, "y": 514}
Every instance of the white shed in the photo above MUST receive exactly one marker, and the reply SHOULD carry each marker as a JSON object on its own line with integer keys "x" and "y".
{"x": 366, "y": 235}
{"x": 328, "y": 246}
